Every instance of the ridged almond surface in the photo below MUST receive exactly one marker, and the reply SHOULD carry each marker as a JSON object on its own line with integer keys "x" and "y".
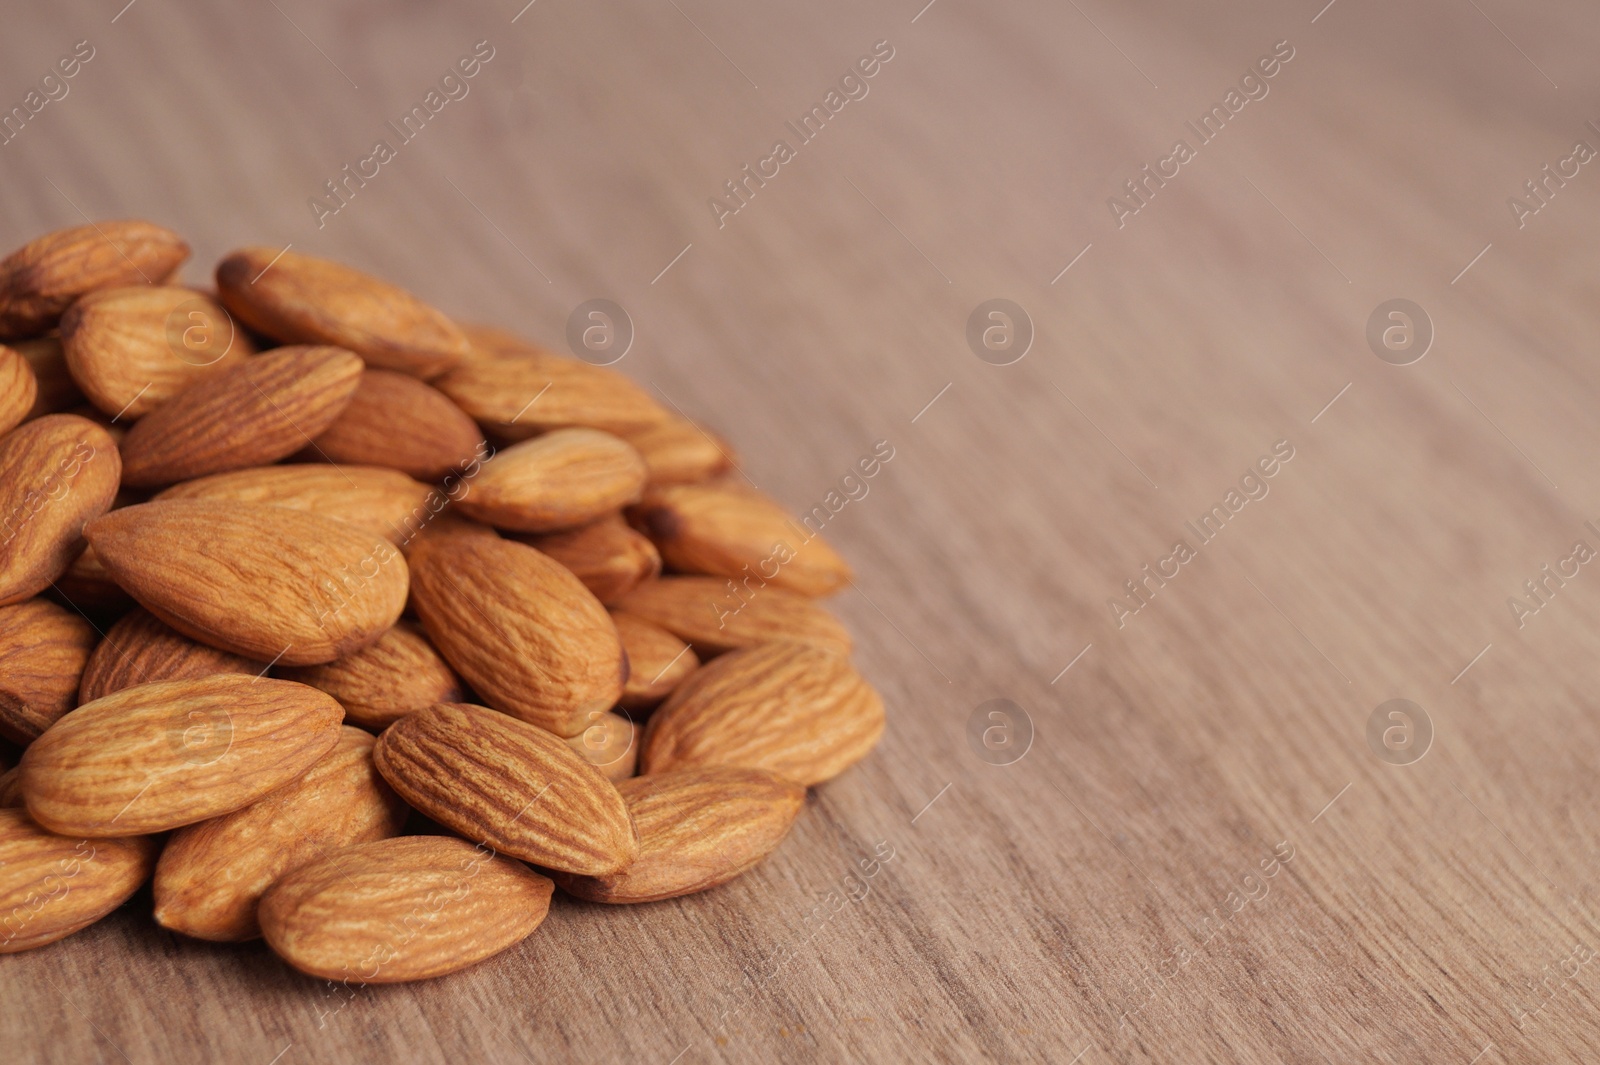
{"x": 158, "y": 756}
{"x": 608, "y": 555}
{"x": 212, "y": 875}
{"x": 43, "y": 650}
{"x": 519, "y": 628}
{"x": 714, "y": 617}
{"x": 300, "y": 299}
{"x": 677, "y": 451}
{"x": 268, "y": 583}
{"x": 442, "y": 524}
{"x": 399, "y": 673}
{"x": 132, "y": 349}
{"x": 56, "y": 473}
{"x": 698, "y": 828}
{"x": 51, "y": 886}
{"x": 88, "y": 587}
{"x": 405, "y": 424}
{"x": 402, "y": 909}
{"x": 792, "y": 709}
{"x": 564, "y": 478}
{"x": 657, "y": 661}
{"x": 512, "y": 785}
{"x": 19, "y": 389}
{"x": 379, "y": 502}
{"x": 142, "y": 649}
{"x": 11, "y": 789}
{"x": 256, "y": 412}
{"x": 40, "y": 279}
{"x": 57, "y": 391}
{"x": 611, "y": 745}
{"x": 738, "y": 533}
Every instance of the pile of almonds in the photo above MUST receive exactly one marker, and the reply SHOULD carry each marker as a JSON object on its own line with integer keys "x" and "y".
{"x": 336, "y": 639}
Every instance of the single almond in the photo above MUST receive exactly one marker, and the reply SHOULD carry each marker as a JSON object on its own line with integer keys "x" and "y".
{"x": 508, "y": 784}
{"x": 792, "y": 709}
{"x": 19, "y": 389}
{"x": 608, "y": 555}
{"x": 678, "y": 451}
{"x": 159, "y": 756}
{"x": 715, "y": 615}
{"x": 57, "y": 391}
{"x": 40, "y": 280}
{"x": 56, "y": 473}
{"x": 564, "y": 478}
{"x": 398, "y": 421}
{"x": 611, "y": 745}
{"x": 268, "y": 583}
{"x": 379, "y": 502}
{"x": 698, "y": 828}
{"x": 528, "y": 637}
{"x": 304, "y": 300}
{"x": 399, "y": 673}
{"x": 212, "y": 875}
{"x": 43, "y": 650}
{"x": 657, "y": 661}
{"x": 53, "y": 885}
{"x": 141, "y": 649}
{"x": 402, "y": 909}
{"x": 256, "y": 412}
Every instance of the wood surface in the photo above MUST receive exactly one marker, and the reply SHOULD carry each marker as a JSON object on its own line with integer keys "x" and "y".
{"x": 1054, "y": 908}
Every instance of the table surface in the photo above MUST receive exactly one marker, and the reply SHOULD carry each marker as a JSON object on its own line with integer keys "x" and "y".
{"x": 1178, "y": 843}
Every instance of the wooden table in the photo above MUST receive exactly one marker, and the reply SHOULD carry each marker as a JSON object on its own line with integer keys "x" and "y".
{"x": 1180, "y": 843}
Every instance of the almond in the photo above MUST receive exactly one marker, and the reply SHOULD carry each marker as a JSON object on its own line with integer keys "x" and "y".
{"x": 716, "y": 615}
{"x": 51, "y": 886}
{"x": 398, "y": 674}
{"x": 247, "y": 415}
{"x": 379, "y": 502}
{"x": 509, "y": 784}
{"x": 446, "y": 524}
{"x": 402, "y": 909}
{"x": 43, "y": 649}
{"x": 556, "y": 481}
{"x": 522, "y": 631}
{"x": 158, "y": 756}
{"x": 40, "y": 279}
{"x": 141, "y": 649}
{"x": 611, "y": 745}
{"x": 678, "y": 451}
{"x": 607, "y": 555}
{"x": 657, "y": 661}
{"x": 738, "y": 533}
{"x": 264, "y": 582}
{"x": 19, "y": 389}
{"x": 86, "y": 586}
{"x": 698, "y": 828}
{"x": 57, "y": 391}
{"x": 11, "y": 789}
{"x": 304, "y": 300}
{"x": 56, "y": 472}
{"x": 400, "y": 422}
{"x": 212, "y": 875}
{"x": 792, "y": 709}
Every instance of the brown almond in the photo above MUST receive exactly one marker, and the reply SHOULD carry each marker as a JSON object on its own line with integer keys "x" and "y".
{"x": 304, "y": 300}
{"x": 158, "y": 756}
{"x": 256, "y": 412}
{"x": 51, "y": 885}
{"x": 608, "y": 555}
{"x": 611, "y": 745}
{"x": 400, "y": 422}
{"x": 509, "y": 784}
{"x": 556, "y": 481}
{"x": 212, "y": 875}
{"x": 40, "y": 280}
{"x": 11, "y": 789}
{"x": 19, "y": 389}
{"x": 43, "y": 649}
{"x": 57, "y": 391}
{"x": 715, "y": 615}
{"x": 678, "y": 451}
{"x": 379, "y": 502}
{"x": 657, "y": 661}
{"x": 56, "y": 472}
{"x": 785, "y": 707}
{"x": 446, "y": 524}
{"x": 698, "y": 828}
{"x": 141, "y": 649}
{"x": 398, "y": 674}
{"x": 86, "y": 586}
{"x": 268, "y": 583}
{"x": 528, "y": 637}
{"x": 402, "y": 909}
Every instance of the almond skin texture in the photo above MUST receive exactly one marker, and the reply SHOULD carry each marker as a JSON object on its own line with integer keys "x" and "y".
{"x": 305, "y": 300}
{"x": 607, "y": 555}
{"x": 56, "y": 473}
{"x": 211, "y": 876}
{"x": 51, "y": 886}
{"x": 88, "y": 587}
{"x": 677, "y": 451}
{"x": 611, "y": 745}
{"x": 738, "y": 533}
{"x": 494, "y": 779}
{"x": 142, "y": 649}
{"x": 132, "y": 349}
{"x": 377, "y": 686}
{"x": 40, "y": 279}
{"x": 43, "y": 650}
{"x": 528, "y": 637}
{"x": 785, "y": 707}
{"x": 19, "y": 389}
{"x": 402, "y": 909}
{"x": 715, "y": 618}
{"x": 163, "y": 755}
{"x": 251, "y": 414}
{"x": 698, "y": 828}
{"x": 265, "y": 582}
{"x": 556, "y": 481}
{"x": 657, "y": 661}
{"x": 57, "y": 391}
{"x": 379, "y": 502}
{"x": 398, "y": 421}
{"x": 11, "y": 789}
